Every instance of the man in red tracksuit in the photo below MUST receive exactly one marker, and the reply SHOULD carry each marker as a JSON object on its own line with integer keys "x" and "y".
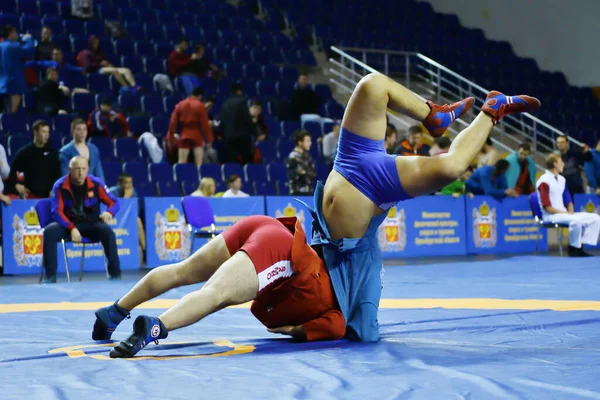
{"x": 189, "y": 126}
{"x": 259, "y": 258}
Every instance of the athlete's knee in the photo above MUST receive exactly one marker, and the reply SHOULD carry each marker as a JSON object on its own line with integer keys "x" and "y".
{"x": 452, "y": 166}
{"x": 373, "y": 85}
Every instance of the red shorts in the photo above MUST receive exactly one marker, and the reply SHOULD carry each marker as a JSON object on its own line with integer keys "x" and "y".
{"x": 267, "y": 242}
{"x": 190, "y": 143}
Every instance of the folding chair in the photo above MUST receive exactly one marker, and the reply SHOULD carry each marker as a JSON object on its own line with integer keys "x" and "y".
{"x": 537, "y": 213}
{"x": 44, "y": 212}
{"x": 199, "y": 214}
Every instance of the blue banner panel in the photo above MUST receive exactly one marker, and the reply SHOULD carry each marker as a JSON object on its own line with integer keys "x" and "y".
{"x": 505, "y": 226}
{"x": 168, "y": 238}
{"x": 427, "y": 226}
{"x": 22, "y": 240}
{"x": 587, "y": 203}
{"x": 286, "y": 206}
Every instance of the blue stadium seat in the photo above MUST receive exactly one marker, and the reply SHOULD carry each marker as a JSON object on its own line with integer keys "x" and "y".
{"x": 30, "y": 23}
{"x": 186, "y": 172}
{"x": 130, "y": 14}
{"x": 154, "y": 32}
{"x": 154, "y": 65}
{"x": 255, "y": 172}
{"x": 315, "y": 129}
{"x": 127, "y": 149}
{"x": 172, "y": 32}
{"x": 53, "y": 22}
{"x": 284, "y": 148}
{"x": 266, "y": 89}
{"x": 241, "y": 55}
{"x": 268, "y": 150}
{"x": 270, "y": 71}
{"x": 189, "y": 187}
{"x": 109, "y": 12}
{"x": 291, "y": 57}
{"x": 234, "y": 70}
{"x": 13, "y": 123}
{"x": 75, "y": 79}
{"x": 170, "y": 102}
{"x": 137, "y": 170}
{"x": 160, "y": 171}
{"x": 277, "y": 171}
{"x": 8, "y": 7}
{"x": 144, "y": 49}
{"x": 163, "y": 49}
{"x": 27, "y": 6}
{"x": 83, "y": 103}
{"x": 148, "y": 16}
{"x": 105, "y": 147}
{"x": 79, "y": 43}
{"x": 264, "y": 188}
{"x": 129, "y": 102}
{"x": 211, "y": 171}
{"x": 94, "y": 27}
{"x": 15, "y": 142}
{"x": 31, "y": 118}
{"x": 145, "y": 189}
{"x": 152, "y": 105}
{"x": 168, "y": 189}
{"x": 112, "y": 170}
{"x": 324, "y": 92}
{"x": 289, "y": 127}
{"x": 145, "y": 82}
{"x": 138, "y": 124}
{"x": 134, "y": 63}
{"x": 73, "y": 27}
{"x": 98, "y": 82}
{"x": 159, "y": 125}
{"x": 62, "y": 123}
{"x": 228, "y": 169}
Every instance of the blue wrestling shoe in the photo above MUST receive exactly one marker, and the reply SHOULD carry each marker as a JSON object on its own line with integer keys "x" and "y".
{"x": 107, "y": 320}
{"x": 440, "y": 117}
{"x": 145, "y": 330}
{"x": 498, "y": 105}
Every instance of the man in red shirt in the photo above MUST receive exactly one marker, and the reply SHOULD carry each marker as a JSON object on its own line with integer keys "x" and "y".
{"x": 190, "y": 119}
{"x": 178, "y": 59}
{"x": 260, "y": 258}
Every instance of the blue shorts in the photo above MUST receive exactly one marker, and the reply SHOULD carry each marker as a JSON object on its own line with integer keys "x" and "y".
{"x": 355, "y": 267}
{"x": 366, "y": 165}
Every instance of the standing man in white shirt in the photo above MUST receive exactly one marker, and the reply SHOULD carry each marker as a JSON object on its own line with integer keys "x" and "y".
{"x": 234, "y": 183}
{"x": 330, "y": 142}
{"x": 557, "y": 207}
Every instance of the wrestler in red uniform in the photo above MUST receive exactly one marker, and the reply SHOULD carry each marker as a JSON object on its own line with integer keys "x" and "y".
{"x": 260, "y": 258}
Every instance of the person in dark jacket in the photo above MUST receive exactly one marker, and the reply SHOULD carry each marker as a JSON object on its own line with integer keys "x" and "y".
{"x": 35, "y": 167}
{"x": 237, "y": 127}
{"x": 92, "y": 60}
{"x": 50, "y": 98}
{"x": 574, "y": 159}
{"x": 491, "y": 181}
{"x": 413, "y": 145}
{"x": 304, "y": 98}
{"x": 76, "y": 200}
{"x": 300, "y": 165}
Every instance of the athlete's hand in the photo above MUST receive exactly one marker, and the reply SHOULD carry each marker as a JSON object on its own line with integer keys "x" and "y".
{"x": 75, "y": 236}
{"x": 106, "y": 216}
{"x": 297, "y": 332}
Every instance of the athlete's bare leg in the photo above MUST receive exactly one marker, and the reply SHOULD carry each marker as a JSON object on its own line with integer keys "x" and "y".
{"x": 235, "y": 282}
{"x": 195, "y": 269}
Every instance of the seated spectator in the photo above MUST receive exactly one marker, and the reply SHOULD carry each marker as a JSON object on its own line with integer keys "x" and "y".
{"x": 207, "y": 188}
{"x": 104, "y": 121}
{"x": 521, "y": 171}
{"x": 557, "y": 207}
{"x": 45, "y": 47}
{"x": 300, "y": 165}
{"x": 258, "y": 118}
{"x": 179, "y": 59}
{"x": 124, "y": 188}
{"x": 76, "y": 200}
{"x": 50, "y": 97}
{"x": 93, "y": 60}
{"x": 304, "y": 98}
{"x": 330, "y": 143}
{"x": 35, "y": 167}
{"x": 491, "y": 181}
{"x": 489, "y": 155}
{"x": 592, "y": 169}
{"x": 457, "y": 188}
{"x": 58, "y": 63}
{"x": 4, "y": 171}
{"x": 200, "y": 65}
{"x": 13, "y": 53}
{"x": 190, "y": 128}
{"x": 391, "y": 138}
{"x": 413, "y": 145}
{"x": 79, "y": 147}
{"x": 441, "y": 145}
{"x": 234, "y": 185}
{"x": 573, "y": 160}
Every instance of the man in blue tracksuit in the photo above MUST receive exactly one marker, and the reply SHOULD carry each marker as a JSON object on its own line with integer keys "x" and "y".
{"x": 366, "y": 182}
{"x": 13, "y": 53}
{"x": 76, "y": 200}
{"x": 490, "y": 180}
{"x": 592, "y": 169}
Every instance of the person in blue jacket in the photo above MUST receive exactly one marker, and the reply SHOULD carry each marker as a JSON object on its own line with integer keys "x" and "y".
{"x": 592, "y": 169}
{"x": 79, "y": 147}
{"x": 491, "y": 181}
{"x": 13, "y": 53}
{"x": 521, "y": 171}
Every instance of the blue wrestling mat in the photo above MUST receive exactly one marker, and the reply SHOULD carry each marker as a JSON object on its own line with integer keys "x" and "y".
{"x": 521, "y": 327}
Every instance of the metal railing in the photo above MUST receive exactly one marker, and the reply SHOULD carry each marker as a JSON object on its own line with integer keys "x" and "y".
{"x": 425, "y": 76}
